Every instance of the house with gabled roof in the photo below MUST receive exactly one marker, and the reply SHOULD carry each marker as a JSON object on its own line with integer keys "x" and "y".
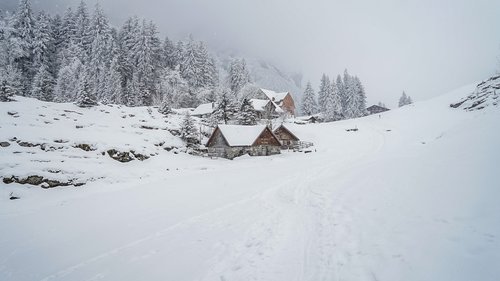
{"x": 286, "y": 137}
{"x": 230, "y": 141}
{"x": 265, "y": 109}
{"x": 204, "y": 110}
{"x": 282, "y": 100}
{"x": 376, "y": 109}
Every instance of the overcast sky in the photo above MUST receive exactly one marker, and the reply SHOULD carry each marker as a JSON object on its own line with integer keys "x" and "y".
{"x": 424, "y": 47}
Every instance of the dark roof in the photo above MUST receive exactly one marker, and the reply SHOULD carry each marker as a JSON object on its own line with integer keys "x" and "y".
{"x": 377, "y": 108}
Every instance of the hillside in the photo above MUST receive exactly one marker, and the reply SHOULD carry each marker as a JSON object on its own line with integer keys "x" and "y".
{"x": 412, "y": 195}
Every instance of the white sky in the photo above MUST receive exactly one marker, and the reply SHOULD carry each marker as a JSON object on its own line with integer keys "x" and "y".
{"x": 423, "y": 47}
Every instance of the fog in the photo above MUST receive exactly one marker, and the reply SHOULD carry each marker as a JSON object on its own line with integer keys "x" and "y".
{"x": 423, "y": 47}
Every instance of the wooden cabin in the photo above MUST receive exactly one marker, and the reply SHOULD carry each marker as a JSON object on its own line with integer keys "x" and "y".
{"x": 230, "y": 141}
{"x": 286, "y": 137}
{"x": 204, "y": 110}
{"x": 376, "y": 109}
{"x": 283, "y": 100}
{"x": 265, "y": 109}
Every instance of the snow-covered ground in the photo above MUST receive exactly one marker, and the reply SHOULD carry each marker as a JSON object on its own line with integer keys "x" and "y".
{"x": 413, "y": 195}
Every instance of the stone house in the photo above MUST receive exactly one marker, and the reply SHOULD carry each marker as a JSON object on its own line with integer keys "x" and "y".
{"x": 230, "y": 141}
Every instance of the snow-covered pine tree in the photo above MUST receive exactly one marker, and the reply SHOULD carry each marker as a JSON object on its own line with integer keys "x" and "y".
{"x": 239, "y": 75}
{"x": 191, "y": 65}
{"x": 169, "y": 54}
{"x": 409, "y": 100}
{"x": 333, "y": 106}
{"x": 57, "y": 45}
{"x": 381, "y": 104}
{"x": 113, "y": 88}
{"x": 68, "y": 29}
{"x": 5, "y": 92}
{"x": 43, "y": 41}
{"x": 340, "y": 87}
{"x": 85, "y": 95}
{"x": 43, "y": 84}
{"x": 147, "y": 57}
{"x": 309, "y": 106}
{"x": 361, "y": 98}
{"x": 208, "y": 71}
{"x": 180, "y": 52}
{"x": 324, "y": 90}
{"x": 23, "y": 36}
{"x": 226, "y": 108}
{"x": 403, "y": 100}
{"x": 10, "y": 76}
{"x": 127, "y": 39}
{"x": 100, "y": 55}
{"x": 82, "y": 35}
{"x": 188, "y": 131}
{"x": 67, "y": 80}
{"x": 247, "y": 114}
{"x": 350, "y": 92}
{"x": 166, "y": 105}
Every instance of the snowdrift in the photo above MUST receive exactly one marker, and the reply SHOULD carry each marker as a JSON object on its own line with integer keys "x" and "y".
{"x": 412, "y": 195}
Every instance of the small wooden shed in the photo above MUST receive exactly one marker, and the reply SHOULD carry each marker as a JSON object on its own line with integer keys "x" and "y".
{"x": 286, "y": 137}
{"x": 230, "y": 141}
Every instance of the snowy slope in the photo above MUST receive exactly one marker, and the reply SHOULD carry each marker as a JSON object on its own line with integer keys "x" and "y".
{"x": 412, "y": 195}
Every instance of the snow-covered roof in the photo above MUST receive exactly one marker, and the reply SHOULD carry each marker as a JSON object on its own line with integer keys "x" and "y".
{"x": 259, "y": 105}
{"x": 202, "y": 109}
{"x": 274, "y": 96}
{"x": 239, "y": 135}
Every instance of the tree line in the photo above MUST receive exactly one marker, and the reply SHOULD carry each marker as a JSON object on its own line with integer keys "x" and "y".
{"x": 343, "y": 98}
{"x": 80, "y": 57}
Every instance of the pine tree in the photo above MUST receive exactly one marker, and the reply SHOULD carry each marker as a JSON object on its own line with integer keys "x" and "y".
{"x": 23, "y": 35}
{"x": 43, "y": 84}
{"x": 209, "y": 77}
{"x": 68, "y": 80}
{"x": 166, "y": 105}
{"x": 68, "y": 29}
{"x": 147, "y": 53}
{"x": 85, "y": 95}
{"x": 225, "y": 110}
{"x": 333, "y": 106}
{"x": 247, "y": 114}
{"x": 176, "y": 88}
{"x": 191, "y": 67}
{"x": 180, "y": 51}
{"x": 113, "y": 89}
{"x": 188, "y": 130}
{"x": 309, "y": 106}
{"x": 11, "y": 80}
{"x": 169, "y": 54}
{"x": 5, "y": 92}
{"x": 351, "y": 100}
{"x": 340, "y": 87}
{"x": 99, "y": 57}
{"x": 43, "y": 41}
{"x": 403, "y": 100}
{"x": 239, "y": 75}
{"x": 324, "y": 90}
{"x": 361, "y": 98}
{"x": 82, "y": 35}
